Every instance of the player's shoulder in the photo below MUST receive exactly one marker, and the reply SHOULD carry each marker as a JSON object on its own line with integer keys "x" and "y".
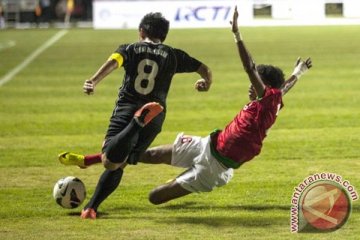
{"x": 271, "y": 95}
{"x": 179, "y": 51}
{"x": 123, "y": 47}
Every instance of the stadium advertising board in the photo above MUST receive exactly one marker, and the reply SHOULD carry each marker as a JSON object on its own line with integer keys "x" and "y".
{"x": 182, "y": 14}
{"x": 209, "y": 14}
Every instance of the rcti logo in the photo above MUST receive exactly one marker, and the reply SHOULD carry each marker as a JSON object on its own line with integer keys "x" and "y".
{"x": 321, "y": 203}
{"x": 203, "y": 13}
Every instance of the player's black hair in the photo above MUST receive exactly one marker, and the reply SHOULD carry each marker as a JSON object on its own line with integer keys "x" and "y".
{"x": 271, "y": 75}
{"x": 155, "y": 25}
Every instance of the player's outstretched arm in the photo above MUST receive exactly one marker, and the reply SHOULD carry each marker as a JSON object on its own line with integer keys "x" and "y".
{"x": 301, "y": 67}
{"x": 204, "y": 83}
{"x": 104, "y": 70}
{"x": 246, "y": 59}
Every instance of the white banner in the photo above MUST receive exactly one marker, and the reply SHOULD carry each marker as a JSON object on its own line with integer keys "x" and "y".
{"x": 181, "y": 14}
{"x": 213, "y": 14}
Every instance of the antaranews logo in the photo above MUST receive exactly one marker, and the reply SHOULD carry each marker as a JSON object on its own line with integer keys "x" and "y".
{"x": 321, "y": 203}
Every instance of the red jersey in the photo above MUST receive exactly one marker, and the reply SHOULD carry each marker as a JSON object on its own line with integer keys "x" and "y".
{"x": 242, "y": 138}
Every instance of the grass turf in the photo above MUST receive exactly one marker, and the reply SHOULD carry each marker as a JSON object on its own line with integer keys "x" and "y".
{"x": 43, "y": 112}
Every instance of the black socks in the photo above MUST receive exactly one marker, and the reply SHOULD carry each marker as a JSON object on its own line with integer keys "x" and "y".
{"x": 107, "y": 184}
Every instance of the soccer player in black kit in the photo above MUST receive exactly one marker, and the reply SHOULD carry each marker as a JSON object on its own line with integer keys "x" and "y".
{"x": 141, "y": 105}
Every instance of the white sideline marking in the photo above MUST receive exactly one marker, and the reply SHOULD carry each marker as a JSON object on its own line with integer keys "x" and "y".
{"x": 32, "y": 56}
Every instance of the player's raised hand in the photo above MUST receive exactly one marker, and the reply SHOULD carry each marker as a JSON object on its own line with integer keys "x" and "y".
{"x": 301, "y": 67}
{"x": 89, "y": 87}
{"x": 308, "y": 63}
{"x": 234, "y": 22}
{"x": 202, "y": 85}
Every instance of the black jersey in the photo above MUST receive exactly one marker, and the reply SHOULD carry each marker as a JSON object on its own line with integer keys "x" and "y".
{"x": 149, "y": 69}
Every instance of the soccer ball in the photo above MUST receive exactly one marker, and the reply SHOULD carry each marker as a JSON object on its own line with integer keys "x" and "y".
{"x": 69, "y": 192}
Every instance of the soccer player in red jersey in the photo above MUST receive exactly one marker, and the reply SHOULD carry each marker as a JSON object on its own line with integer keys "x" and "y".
{"x": 210, "y": 161}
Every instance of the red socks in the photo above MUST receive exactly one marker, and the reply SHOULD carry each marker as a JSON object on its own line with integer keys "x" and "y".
{"x": 92, "y": 159}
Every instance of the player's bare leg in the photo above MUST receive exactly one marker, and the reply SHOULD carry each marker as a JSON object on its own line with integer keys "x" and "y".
{"x": 170, "y": 190}
{"x": 167, "y": 192}
{"x": 157, "y": 155}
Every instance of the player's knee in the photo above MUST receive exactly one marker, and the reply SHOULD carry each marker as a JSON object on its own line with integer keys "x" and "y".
{"x": 108, "y": 164}
{"x": 147, "y": 156}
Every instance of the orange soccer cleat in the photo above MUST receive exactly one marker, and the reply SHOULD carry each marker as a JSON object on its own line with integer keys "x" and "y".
{"x": 147, "y": 113}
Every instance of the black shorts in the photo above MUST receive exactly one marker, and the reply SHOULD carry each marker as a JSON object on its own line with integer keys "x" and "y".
{"x": 121, "y": 117}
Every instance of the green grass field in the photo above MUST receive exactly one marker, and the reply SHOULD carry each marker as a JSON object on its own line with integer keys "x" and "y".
{"x": 43, "y": 112}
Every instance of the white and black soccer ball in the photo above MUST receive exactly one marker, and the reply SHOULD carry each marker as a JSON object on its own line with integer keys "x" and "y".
{"x": 69, "y": 192}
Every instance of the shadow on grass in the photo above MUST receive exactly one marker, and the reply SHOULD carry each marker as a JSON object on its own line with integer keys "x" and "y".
{"x": 260, "y": 220}
{"x": 195, "y": 213}
{"x": 197, "y": 206}
{"x": 207, "y": 220}
{"x": 223, "y": 221}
